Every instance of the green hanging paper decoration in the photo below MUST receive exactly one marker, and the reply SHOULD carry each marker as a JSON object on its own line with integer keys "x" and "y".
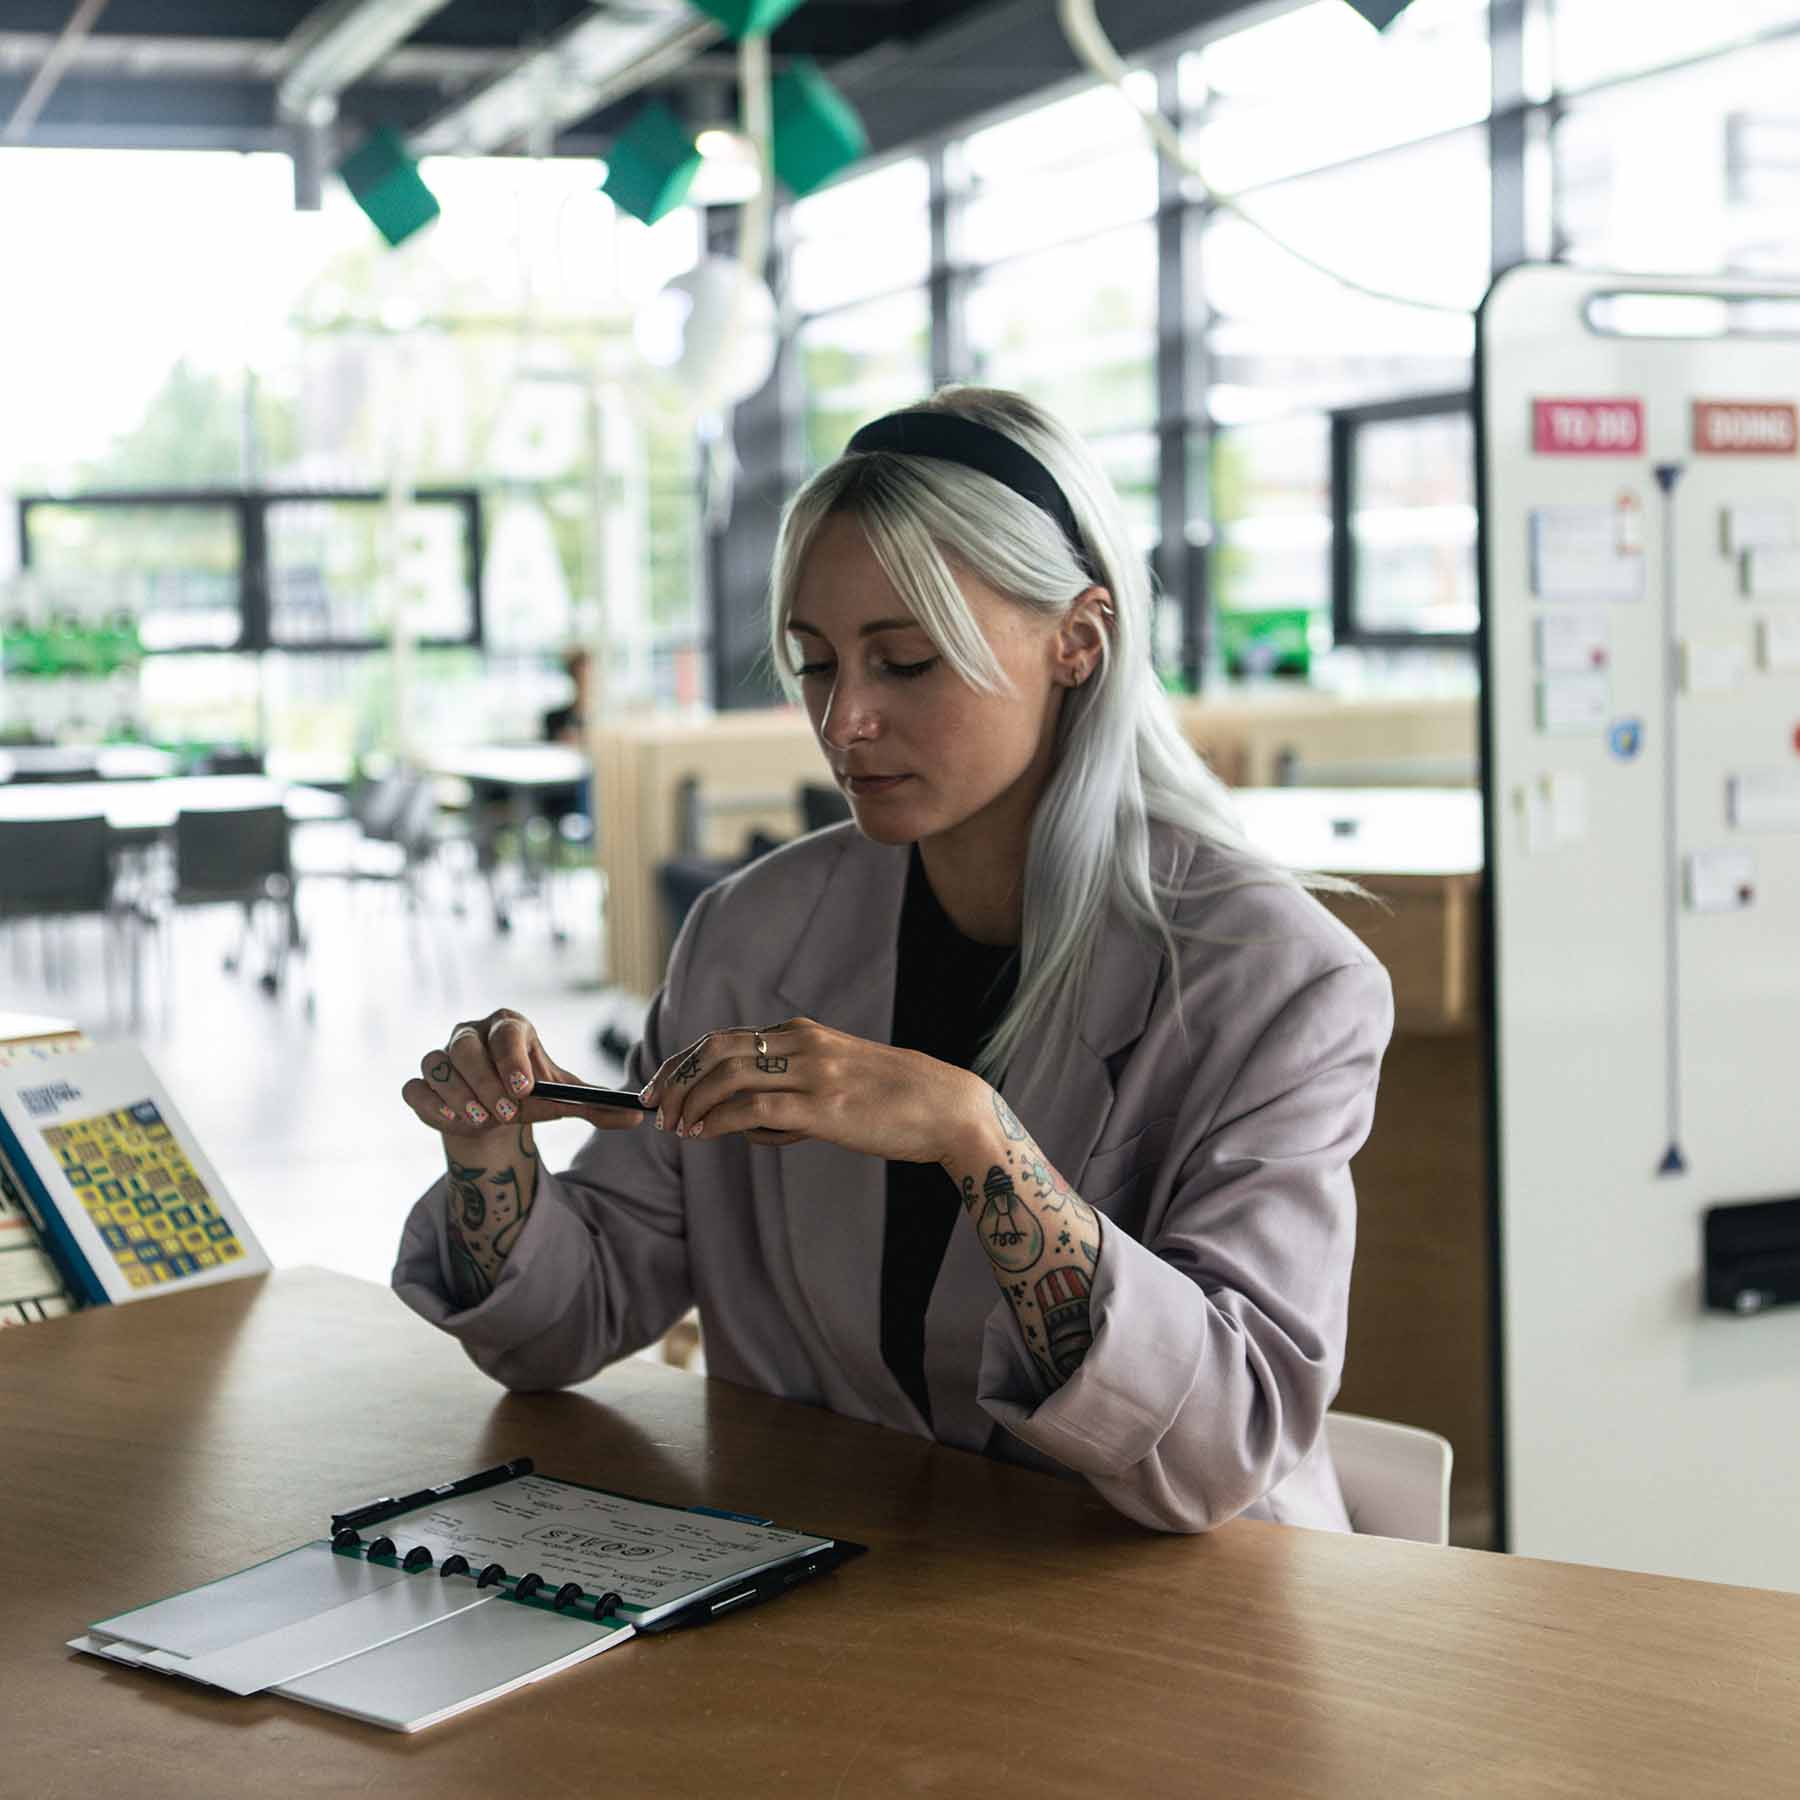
{"x": 651, "y": 165}
{"x": 746, "y": 18}
{"x": 384, "y": 181}
{"x": 816, "y": 130}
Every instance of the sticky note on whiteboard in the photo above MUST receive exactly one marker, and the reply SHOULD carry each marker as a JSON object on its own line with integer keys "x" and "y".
{"x": 1764, "y": 800}
{"x": 1766, "y": 522}
{"x": 1576, "y": 555}
{"x": 1575, "y": 642}
{"x": 1714, "y": 666}
{"x": 1778, "y": 643}
{"x": 1720, "y": 881}
{"x": 1573, "y": 704}
{"x": 1772, "y": 572}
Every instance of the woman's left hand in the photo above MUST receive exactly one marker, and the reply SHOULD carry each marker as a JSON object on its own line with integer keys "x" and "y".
{"x": 801, "y": 1080}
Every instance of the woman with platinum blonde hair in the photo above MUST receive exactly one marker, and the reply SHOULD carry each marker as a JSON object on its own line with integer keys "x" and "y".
{"x": 1037, "y": 1018}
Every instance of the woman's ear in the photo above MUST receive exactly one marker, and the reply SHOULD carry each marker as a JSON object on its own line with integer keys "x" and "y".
{"x": 1081, "y": 636}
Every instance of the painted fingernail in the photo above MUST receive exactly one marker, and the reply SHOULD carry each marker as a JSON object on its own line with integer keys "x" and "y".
{"x": 644, "y": 1091}
{"x": 520, "y": 1081}
{"x": 660, "y": 1126}
{"x": 447, "y": 1112}
{"x": 476, "y": 1113}
{"x": 505, "y": 1108}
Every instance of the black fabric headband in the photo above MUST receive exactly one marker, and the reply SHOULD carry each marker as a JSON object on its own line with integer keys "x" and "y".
{"x": 952, "y": 438}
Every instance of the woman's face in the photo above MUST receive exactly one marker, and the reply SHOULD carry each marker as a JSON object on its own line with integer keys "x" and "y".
{"x": 916, "y": 750}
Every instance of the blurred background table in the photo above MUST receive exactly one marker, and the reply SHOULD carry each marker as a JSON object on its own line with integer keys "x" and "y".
{"x": 77, "y": 762}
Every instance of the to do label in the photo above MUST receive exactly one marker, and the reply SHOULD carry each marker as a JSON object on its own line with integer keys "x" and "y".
{"x": 1587, "y": 427}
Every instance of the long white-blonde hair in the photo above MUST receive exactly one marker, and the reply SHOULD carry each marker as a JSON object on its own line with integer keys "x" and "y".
{"x": 1120, "y": 758}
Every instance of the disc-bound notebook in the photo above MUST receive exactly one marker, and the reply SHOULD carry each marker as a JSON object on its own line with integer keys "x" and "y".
{"x": 479, "y": 1587}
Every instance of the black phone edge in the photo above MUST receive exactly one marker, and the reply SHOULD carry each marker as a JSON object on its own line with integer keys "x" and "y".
{"x": 579, "y": 1094}
{"x": 768, "y": 1586}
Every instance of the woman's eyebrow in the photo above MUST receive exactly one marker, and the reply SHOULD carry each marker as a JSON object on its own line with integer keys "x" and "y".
{"x": 868, "y": 630}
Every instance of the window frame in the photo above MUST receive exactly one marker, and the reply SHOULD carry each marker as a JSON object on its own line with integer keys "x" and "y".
{"x": 1347, "y": 425}
{"x": 250, "y": 508}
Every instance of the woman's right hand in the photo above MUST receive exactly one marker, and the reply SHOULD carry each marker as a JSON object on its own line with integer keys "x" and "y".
{"x": 481, "y": 1081}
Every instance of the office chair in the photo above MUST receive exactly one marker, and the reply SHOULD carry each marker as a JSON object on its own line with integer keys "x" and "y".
{"x": 821, "y": 806}
{"x": 240, "y": 857}
{"x": 1396, "y": 1478}
{"x": 61, "y": 869}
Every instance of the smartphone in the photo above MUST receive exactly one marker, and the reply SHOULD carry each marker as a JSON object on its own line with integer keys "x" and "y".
{"x": 581, "y": 1095}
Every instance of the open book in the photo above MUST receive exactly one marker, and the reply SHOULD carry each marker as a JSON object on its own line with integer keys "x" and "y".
{"x": 461, "y": 1597}
{"x": 123, "y": 1198}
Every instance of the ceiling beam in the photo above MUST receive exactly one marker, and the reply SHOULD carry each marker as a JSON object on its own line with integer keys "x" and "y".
{"x": 994, "y": 58}
{"x": 591, "y": 64}
{"x": 336, "y": 46}
{"x": 50, "y": 71}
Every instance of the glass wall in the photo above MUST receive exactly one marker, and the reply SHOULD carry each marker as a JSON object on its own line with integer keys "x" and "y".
{"x": 1674, "y": 141}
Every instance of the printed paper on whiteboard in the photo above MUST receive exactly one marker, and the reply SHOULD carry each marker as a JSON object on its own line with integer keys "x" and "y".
{"x": 1576, "y": 555}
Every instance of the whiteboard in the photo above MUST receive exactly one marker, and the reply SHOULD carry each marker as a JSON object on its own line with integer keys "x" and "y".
{"x": 1641, "y": 766}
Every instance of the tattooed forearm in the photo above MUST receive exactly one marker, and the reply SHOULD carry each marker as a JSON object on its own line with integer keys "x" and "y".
{"x": 489, "y": 1204}
{"x": 1042, "y": 1240}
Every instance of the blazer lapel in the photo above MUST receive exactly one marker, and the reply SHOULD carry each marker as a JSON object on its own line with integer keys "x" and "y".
{"x": 834, "y": 1200}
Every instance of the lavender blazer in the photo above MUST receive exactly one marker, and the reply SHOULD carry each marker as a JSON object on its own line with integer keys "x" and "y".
{"x": 1220, "y": 1162}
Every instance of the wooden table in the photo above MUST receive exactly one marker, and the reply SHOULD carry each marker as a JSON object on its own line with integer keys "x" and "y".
{"x": 1009, "y": 1633}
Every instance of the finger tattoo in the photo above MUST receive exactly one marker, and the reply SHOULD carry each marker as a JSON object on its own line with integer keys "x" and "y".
{"x": 690, "y": 1067}
{"x": 772, "y": 1065}
{"x": 441, "y": 1070}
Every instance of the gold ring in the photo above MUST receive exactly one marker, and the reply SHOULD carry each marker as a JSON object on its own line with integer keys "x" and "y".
{"x": 762, "y": 1043}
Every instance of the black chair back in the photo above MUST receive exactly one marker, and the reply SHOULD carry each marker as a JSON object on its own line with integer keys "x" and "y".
{"x": 229, "y": 854}
{"x": 821, "y": 806}
{"x": 54, "y": 866}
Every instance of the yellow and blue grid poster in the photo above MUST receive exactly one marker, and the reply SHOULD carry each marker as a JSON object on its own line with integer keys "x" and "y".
{"x": 143, "y": 1195}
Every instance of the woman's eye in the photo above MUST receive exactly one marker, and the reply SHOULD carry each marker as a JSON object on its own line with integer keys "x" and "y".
{"x": 813, "y": 669}
{"x": 908, "y": 670}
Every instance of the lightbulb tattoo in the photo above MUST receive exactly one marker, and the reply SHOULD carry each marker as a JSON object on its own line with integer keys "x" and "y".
{"x": 488, "y": 1207}
{"x": 1042, "y": 1241}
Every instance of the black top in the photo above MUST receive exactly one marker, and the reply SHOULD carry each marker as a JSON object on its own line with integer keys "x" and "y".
{"x": 949, "y": 993}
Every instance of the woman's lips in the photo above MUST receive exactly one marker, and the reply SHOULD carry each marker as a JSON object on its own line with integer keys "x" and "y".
{"x": 873, "y": 784}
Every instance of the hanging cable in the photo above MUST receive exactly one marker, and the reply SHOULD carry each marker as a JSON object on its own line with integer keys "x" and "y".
{"x": 1094, "y": 48}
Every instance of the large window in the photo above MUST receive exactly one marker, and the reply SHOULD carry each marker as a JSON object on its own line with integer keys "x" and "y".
{"x": 1690, "y": 171}
{"x": 298, "y": 355}
{"x": 859, "y": 258}
{"x": 1315, "y": 87}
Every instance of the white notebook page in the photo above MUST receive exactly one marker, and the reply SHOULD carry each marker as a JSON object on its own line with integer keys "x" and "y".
{"x": 457, "y": 1663}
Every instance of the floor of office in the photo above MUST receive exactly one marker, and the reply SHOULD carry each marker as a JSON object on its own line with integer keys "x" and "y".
{"x": 299, "y": 1107}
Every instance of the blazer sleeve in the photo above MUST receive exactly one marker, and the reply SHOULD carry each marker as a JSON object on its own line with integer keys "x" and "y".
{"x": 1219, "y": 1342}
{"x": 601, "y": 1267}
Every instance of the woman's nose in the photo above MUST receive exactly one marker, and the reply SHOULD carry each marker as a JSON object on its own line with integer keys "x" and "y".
{"x": 849, "y": 717}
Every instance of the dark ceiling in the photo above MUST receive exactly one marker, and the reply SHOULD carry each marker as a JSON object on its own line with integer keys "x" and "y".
{"x": 202, "y": 73}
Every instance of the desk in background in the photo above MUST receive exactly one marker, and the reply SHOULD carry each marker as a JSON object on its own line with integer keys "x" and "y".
{"x": 81, "y": 762}
{"x": 1009, "y": 1633}
{"x": 148, "y": 808}
{"x": 749, "y": 766}
{"x": 510, "y": 785}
